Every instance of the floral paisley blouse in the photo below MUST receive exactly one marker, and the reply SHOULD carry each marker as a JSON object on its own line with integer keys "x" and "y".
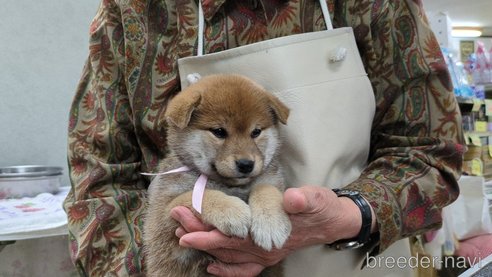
{"x": 131, "y": 73}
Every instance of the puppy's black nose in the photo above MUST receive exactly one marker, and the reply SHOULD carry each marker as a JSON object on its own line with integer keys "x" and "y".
{"x": 245, "y": 166}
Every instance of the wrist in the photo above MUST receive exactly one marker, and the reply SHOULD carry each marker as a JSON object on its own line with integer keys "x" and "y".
{"x": 357, "y": 215}
{"x": 351, "y": 219}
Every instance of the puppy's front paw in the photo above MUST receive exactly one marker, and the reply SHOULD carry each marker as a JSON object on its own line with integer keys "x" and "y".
{"x": 232, "y": 216}
{"x": 268, "y": 229}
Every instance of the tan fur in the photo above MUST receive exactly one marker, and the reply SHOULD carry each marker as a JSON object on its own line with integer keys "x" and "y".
{"x": 236, "y": 202}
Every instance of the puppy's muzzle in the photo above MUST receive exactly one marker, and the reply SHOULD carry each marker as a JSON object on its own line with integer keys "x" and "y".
{"x": 245, "y": 166}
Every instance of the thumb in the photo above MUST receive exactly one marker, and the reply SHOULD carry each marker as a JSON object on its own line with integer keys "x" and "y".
{"x": 308, "y": 199}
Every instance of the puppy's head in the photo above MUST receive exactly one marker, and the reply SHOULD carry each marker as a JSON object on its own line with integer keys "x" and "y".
{"x": 226, "y": 127}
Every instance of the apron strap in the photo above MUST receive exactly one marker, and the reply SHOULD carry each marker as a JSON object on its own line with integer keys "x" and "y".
{"x": 201, "y": 23}
{"x": 326, "y": 14}
{"x": 201, "y": 27}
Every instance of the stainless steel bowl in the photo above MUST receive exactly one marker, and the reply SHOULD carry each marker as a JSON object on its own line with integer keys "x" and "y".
{"x": 29, "y": 180}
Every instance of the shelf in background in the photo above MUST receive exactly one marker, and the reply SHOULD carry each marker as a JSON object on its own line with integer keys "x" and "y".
{"x": 488, "y": 87}
{"x": 479, "y": 134}
{"x": 471, "y": 101}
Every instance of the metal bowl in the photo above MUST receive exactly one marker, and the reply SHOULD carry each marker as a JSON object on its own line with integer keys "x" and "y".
{"x": 29, "y": 180}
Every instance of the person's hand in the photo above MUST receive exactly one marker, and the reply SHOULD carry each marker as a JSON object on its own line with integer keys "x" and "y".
{"x": 318, "y": 216}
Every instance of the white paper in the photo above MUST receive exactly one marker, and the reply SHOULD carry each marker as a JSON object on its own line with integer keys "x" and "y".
{"x": 26, "y": 217}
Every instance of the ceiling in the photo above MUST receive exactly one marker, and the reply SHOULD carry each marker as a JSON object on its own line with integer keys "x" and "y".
{"x": 465, "y": 13}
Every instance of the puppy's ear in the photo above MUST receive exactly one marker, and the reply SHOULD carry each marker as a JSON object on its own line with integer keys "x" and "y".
{"x": 279, "y": 109}
{"x": 181, "y": 108}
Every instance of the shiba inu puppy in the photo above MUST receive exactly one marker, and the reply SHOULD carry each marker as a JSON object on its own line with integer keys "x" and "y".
{"x": 224, "y": 127}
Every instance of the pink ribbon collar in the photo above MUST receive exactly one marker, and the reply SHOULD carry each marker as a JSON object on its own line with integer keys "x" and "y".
{"x": 198, "y": 188}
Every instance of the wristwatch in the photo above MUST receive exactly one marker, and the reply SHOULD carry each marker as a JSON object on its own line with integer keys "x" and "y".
{"x": 364, "y": 235}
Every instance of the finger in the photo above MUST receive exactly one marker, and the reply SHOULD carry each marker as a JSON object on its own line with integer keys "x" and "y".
{"x": 231, "y": 250}
{"x": 233, "y": 256}
{"x": 180, "y": 232}
{"x": 294, "y": 201}
{"x": 188, "y": 220}
{"x": 211, "y": 240}
{"x": 235, "y": 270}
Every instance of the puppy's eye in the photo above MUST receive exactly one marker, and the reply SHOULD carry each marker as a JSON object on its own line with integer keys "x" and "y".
{"x": 255, "y": 133}
{"x": 219, "y": 132}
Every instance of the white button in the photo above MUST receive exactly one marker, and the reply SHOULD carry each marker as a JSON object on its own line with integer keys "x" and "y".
{"x": 338, "y": 55}
{"x": 193, "y": 78}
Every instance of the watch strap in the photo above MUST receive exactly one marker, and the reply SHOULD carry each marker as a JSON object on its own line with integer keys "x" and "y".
{"x": 364, "y": 235}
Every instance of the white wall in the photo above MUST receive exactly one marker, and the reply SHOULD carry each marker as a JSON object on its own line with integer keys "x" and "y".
{"x": 43, "y": 46}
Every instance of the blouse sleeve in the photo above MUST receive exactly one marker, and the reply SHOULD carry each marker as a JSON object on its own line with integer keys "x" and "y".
{"x": 106, "y": 202}
{"x": 416, "y": 140}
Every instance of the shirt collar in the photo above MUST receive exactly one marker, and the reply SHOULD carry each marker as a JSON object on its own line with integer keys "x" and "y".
{"x": 210, "y": 7}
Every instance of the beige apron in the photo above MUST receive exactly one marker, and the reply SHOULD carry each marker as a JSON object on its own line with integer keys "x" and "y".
{"x": 321, "y": 78}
